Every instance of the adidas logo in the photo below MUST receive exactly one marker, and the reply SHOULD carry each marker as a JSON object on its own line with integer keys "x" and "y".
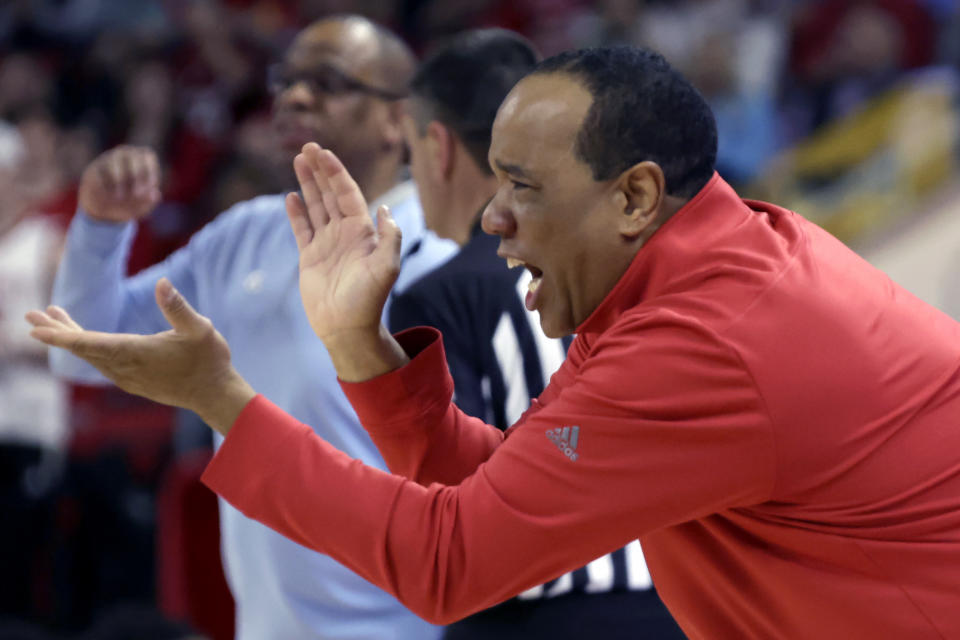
{"x": 566, "y": 440}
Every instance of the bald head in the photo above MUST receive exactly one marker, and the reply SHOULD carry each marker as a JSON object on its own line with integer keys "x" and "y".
{"x": 359, "y": 47}
{"x": 339, "y": 85}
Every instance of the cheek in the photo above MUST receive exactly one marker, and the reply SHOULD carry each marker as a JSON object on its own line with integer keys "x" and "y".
{"x": 361, "y": 110}
{"x": 573, "y": 248}
{"x": 345, "y": 111}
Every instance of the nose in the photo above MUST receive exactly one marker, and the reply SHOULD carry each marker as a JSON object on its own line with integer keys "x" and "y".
{"x": 297, "y": 96}
{"x": 498, "y": 220}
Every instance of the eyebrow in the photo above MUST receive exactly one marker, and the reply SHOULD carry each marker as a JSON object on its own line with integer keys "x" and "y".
{"x": 514, "y": 169}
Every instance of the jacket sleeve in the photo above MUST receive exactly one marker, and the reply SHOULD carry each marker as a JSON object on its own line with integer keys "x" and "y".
{"x": 406, "y": 440}
{"x": 670, "y": 429}
{"x": 91, "y": 284}
{"x": 434, "y": 308}
{"x": 431, "y": 304}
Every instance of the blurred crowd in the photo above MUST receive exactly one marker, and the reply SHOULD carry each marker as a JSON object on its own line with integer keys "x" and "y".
{"x": 189, "y": 79}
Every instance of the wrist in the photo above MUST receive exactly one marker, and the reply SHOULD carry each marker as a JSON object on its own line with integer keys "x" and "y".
{"x": 224, "y": 402}
{"x": 100, "y": 220}
{"x": 364, "y": 353}
{"x": 103, "y": 220}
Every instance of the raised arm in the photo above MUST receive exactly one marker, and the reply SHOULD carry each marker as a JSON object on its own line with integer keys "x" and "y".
{"x": 118, "y": 188}
{"x": 648, "y": 454}
{"x": 346, "y": 270}
{"x": 440, "y": 444}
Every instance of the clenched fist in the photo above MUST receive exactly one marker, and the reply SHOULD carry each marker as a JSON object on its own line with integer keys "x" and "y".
{"x": 121, "y": 184}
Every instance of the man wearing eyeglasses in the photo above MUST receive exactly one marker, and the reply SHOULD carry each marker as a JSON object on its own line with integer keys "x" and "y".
{"x": 339, "y": 84}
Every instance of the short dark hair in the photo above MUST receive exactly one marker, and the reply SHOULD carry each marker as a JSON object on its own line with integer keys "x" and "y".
{"x": 642, "y": 109}
{"x": 462, "y": 83}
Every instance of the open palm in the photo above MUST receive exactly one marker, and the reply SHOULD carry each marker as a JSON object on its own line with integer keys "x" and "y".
{"x": 347, "y": 266}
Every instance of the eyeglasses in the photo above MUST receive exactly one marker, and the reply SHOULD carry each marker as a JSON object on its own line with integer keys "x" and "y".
{"x": 325, "y": 80}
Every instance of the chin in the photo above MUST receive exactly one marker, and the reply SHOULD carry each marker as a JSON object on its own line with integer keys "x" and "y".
{"x": 292, "y": 147}
{"x": 553, "y": 329}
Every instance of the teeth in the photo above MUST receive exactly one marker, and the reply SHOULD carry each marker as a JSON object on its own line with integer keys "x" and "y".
{"x": 534, "y": 284}
{"x": 513, "y": 262}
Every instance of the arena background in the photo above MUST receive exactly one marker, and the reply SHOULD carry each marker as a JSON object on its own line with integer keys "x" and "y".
{"x": 845, "y": 110}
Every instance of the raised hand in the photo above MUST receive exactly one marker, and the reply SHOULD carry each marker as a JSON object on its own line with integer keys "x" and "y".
{"x": 121, "y": 184}
{"x": 187, "y": 366}
{"x": 347, "y": 266}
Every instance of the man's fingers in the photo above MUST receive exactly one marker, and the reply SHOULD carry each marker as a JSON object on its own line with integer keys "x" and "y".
{"x": 40, "y": 319}
{"x": 390, "y": 237}
{"x": 299, "y": 220}
{"x": 153, "y": 168}
{"x": 153, "y": 173}
{"x": 312, "y": 197}
{"x": 138, "y": 171}
{"x": 312, "y": 151}
{"x": 130, "y": 176}
{"x": 60, "y": 314}
{"x": 177, "y": 310}
{"x": 349, "y": 197}
{"x": 53, "y": 336}
{"x": 92, "y": 346}
{"x": 141, "y": 175}
{"x": 329, "y": 197}
{"x": 53, "y": 319}
{"x": 57, "y": 329}
{"x": 105, "y": 170}
{"x": 56, "y": 337}
{"x": 120, "y": 171}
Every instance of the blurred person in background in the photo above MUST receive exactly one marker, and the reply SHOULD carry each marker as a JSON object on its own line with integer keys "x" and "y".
{"x": 33, "y": 421}
{"x": 498, "y": 355}
{"x": 732, "y": 51}
{"x": 26, "y": 83}
{"x": 340, "y": 83}
{"x": 843, "y": 52}
{"x": 544, "y": 22}
{"x": 746, "y": 114}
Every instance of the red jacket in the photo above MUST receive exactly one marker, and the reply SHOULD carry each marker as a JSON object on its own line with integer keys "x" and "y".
{"x": 776, "y": 419}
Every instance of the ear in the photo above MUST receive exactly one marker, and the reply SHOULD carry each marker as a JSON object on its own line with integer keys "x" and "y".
{"x": 441, "y": 146}
{"x": 641, "y": 190}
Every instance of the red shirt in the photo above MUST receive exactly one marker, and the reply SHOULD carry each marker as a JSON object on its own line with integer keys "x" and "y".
{"x": 775, "y": 419}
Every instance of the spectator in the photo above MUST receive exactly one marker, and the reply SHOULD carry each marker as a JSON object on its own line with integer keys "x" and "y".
{"x": 339, "y": 83}
{"x": 33, "y": 424}
{"x": 844, "y": 52}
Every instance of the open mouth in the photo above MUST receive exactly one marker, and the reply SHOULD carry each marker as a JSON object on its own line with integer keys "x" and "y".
{"x": 294, "y": 129}
{"x": 533, "y": 286}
